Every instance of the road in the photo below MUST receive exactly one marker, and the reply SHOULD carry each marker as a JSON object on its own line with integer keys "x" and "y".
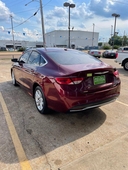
{"x": 8, "y": 55}
{"x": 91, "y": 140}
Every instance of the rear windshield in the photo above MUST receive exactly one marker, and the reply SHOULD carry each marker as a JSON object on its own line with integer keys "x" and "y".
{"x": 71, "y": 57}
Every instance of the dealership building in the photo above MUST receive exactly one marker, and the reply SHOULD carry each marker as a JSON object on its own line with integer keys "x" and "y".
{"x": 59, "y": 38}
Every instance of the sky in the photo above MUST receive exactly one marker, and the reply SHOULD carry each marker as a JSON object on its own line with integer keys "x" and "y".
{"x": 88, "y": 15}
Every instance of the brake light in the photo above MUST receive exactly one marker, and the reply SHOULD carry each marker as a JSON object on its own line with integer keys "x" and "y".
{"x": 116, "y": 73}
{"x": 116, "y": 55}
{"x": 68, "y": 81}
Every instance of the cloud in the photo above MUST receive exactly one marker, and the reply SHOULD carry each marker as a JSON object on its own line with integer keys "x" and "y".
{"x": 105, "y": 8}
{"x": 1, "y": 28}
{"x": 31, "y": 34}
{"x": 4, "y": 12}
{"x": 59, "y": 16}
{"x": 57, "y": 12}
{"x": 62, "y": 22}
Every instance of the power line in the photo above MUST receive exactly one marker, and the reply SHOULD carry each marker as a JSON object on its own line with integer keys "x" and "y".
{"x": 26, "y": 20}
{"x": 32, "y": 15}
{"x": 25, "y": 11}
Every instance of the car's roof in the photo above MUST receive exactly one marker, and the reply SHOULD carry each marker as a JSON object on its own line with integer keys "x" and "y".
{"x": 111, "y": 50}
{"x": 94, "y": 50}
{"x": 50, "y": 49}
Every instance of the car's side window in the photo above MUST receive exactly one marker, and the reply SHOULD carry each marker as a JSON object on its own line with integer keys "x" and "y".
{"x": 34, "y": 58}
{"x": 42, "y": 61}
{"x": 24, "y": 57}
{"x": 126, "y": 49}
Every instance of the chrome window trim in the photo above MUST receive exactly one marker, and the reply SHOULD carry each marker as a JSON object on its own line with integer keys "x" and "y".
{"x": 46, "y": 62}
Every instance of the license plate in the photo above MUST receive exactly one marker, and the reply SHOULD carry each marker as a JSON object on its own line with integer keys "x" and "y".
{"x": 99, "y": 79}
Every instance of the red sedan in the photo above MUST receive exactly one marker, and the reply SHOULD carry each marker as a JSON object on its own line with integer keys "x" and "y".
{"x": 65, "y": 79}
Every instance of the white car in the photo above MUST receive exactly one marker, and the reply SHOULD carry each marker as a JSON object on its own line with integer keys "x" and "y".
{"x": 122, "y": 57}
{"x": 95, "y": 53}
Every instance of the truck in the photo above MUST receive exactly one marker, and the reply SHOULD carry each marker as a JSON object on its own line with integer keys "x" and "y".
{"x": 122, "y": 57}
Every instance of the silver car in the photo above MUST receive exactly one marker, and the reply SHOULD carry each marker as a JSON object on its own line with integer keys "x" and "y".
{"x": 95, "y": 53}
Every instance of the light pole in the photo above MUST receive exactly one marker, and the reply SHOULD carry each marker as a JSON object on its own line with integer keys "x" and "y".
{"x": 12, "y": 32}
{"x": 111, "y": 34}
{"x": 66, "y": 4}
{"x": 116, "y": 16}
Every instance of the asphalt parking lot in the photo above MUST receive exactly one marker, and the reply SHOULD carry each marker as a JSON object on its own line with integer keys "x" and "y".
{"x": 91, "y": 140}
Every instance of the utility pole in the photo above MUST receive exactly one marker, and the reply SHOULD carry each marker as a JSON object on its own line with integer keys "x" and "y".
{"x": 42, "y": 23}
{"x": 12, "y": 32}
{"x": 93, "y": 34}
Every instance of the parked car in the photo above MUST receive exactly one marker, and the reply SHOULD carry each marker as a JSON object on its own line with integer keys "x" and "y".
{"x": 95, "y": 53}
{"x": 122, "y": 57}
{"x": 80, "y": 48}
{"x": 109, "y": 54}
{"x": 3, "y": 49}
{"x": 123, "y": 49}
{"x": 65, "y": 79}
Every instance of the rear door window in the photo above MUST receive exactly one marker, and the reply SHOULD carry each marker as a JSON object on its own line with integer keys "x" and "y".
{"x": 34, "y": 58}
{"x": 126, "y": 49}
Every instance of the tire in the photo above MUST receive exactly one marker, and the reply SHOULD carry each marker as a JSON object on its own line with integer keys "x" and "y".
{"x": 125, "y": 65}
{"x": 40, "y": 101}
{"x": 13, "y": 79}
{"x": 103, "y": 55}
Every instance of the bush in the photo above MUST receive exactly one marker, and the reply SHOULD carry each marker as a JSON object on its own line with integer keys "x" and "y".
{"x": 116, "y": 47}
{"x": 106, "y": 47}
{"x": 22, "y": 49}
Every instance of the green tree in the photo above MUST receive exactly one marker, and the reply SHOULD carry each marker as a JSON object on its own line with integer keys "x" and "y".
{"x": 124, "y": 40}
{"x": 118, "y": 40}
{"x": 22, "y": 49}
{"x": 106, "y": 47}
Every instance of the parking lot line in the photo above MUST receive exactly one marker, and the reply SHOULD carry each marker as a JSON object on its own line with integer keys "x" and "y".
{"x": 25, "y": 165}
{"x": 121, "y": 103}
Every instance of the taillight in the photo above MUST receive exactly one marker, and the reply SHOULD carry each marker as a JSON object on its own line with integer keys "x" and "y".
{"x": 68, "y": 81}
{"x": 116, "y": 73}
{"x": 116, "y": 55}
{"x": 92, "y": 52}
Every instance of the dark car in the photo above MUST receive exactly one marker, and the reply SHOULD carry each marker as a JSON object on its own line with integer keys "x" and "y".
{"x": 3, "y": 49}
{"x": 109, "y": 54}
{"x": 65, "y": 79}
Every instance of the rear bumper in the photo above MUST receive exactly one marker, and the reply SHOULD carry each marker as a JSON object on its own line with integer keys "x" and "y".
{"x": 73, "y": 103}
{"x": 92, "y": 105}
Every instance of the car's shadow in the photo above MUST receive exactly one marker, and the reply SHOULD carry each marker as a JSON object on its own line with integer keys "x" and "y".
{"x": 123, "y": 72}
{"x": 41, "y": 134}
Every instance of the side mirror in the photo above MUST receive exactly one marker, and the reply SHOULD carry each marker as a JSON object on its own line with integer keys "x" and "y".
{"x": 14, "y": 60}
{"x": 21, "y": 62}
